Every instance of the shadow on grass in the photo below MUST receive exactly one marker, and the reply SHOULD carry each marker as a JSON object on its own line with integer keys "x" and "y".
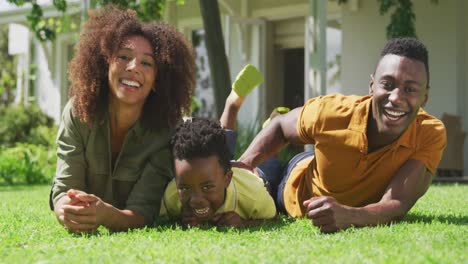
{"x": 272, "y": 224}
{"x": 428, "y": 219}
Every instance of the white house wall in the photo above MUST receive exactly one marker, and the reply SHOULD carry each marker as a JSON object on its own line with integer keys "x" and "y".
{"x": 437, "y": 26}
{"x": 442, "y": 27}
{"x": 46, "y": 92}
{"x": 188, "y": 18}
{"x": 364, "y": 37}
{"x": 48, "y": 57}
{"x": 250, "y": 109}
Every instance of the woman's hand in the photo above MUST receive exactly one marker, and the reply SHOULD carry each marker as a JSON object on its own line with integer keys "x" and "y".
{"x": 80, "y": 212}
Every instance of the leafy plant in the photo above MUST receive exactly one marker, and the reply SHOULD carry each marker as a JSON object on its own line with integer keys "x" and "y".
{"x": 8, "y": 69}
{"x": 27, "y": 164}
{"x": 402, "y": 20}
{"x": 25, "y": 124}
{"x": 245, "y": 135}
{"x": 43, "y": 135}
{"x": 43, "y": 31}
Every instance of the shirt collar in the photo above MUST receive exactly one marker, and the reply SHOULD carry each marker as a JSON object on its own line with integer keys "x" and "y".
{"x": 360, "y": 116}
{"x": 230, "y": 202}
{"x": 137, "y": 128}
{"x": 408, "y": 138}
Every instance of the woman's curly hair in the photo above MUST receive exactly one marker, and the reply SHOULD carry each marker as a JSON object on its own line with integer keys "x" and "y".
{"x": 100, "y": 40}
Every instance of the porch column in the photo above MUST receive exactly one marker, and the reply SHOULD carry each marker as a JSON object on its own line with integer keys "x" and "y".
{"x": 315, "y": 50}
{"x": 18, "y": 44}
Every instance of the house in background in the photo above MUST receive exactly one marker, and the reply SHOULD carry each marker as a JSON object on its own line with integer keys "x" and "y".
{"x": 307, "y": 48}
{"x": 304, "y": 48}
{"x": 50, "y": 85}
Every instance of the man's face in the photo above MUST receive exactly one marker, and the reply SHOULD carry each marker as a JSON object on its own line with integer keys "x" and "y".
{"x": 398, "y": 88}
{"x": 201, "y": 185}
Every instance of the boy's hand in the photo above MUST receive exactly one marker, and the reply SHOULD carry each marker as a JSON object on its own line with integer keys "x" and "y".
{"x": 229, "y": 219}
{"x": 188, "y": 219}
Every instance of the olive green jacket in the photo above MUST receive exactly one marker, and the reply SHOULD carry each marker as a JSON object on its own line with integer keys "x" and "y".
{"x": 140, "y": 173}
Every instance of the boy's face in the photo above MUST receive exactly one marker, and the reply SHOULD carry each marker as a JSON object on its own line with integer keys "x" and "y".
{"x": 201, "y": 184}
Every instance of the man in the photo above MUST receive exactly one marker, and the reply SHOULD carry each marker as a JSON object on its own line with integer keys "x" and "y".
{"x": 375, "y": 155}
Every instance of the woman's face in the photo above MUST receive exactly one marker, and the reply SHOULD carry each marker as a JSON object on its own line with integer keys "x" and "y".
{"x": 132, "y": 72}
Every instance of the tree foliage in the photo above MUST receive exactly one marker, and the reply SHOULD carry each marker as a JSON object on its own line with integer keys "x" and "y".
{"x": 8, "y": 69}
{"x": 43, "y": 30}
{"x": 146, "y": 9}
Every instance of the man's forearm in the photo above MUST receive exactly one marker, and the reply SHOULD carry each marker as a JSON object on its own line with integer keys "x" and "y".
{"x": 265, "y": 145}
{"x": 378, "y": 213}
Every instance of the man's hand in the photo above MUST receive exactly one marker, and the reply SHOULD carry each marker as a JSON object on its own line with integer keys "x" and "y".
{"x": 327, "y": 214}
{"x": 239, "y": 164}
{"x": 80, "y": 212}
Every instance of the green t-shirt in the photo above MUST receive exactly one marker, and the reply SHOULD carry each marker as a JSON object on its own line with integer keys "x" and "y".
{"x": 138, "y": 177}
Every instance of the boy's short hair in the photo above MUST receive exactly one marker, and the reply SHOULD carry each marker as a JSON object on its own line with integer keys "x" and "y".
{"x": 408, "y": 47}
{"x": 201, "y": 138}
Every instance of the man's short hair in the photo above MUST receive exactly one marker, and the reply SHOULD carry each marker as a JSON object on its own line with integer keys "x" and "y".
{"x": 201, "y": 138}
{"x": 408, "y": 47}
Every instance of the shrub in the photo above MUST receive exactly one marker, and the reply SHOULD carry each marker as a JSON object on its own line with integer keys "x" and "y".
{"x": 43, "y": 135}
{"x": 27, "y": 164}
{"x": 245, "y": 135}
{"x": 25, "y": 124}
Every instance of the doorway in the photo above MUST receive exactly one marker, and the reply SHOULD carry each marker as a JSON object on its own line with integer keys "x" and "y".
{"x": 293, "y": 77}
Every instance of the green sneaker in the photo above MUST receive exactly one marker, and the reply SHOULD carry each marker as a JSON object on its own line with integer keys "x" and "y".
{"x": 247, "y": 79}
{"x": 277, "y": 111}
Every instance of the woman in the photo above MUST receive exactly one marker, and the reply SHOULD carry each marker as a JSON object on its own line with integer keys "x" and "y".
{"x": 131, "y": 84}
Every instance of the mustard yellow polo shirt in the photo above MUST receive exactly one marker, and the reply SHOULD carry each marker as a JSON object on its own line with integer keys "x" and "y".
{"x": 136, "y": 181}
{"x": 342, "y": 167}
{"x": 246, "y": 195}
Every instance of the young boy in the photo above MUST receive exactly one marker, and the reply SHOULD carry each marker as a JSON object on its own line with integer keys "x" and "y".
{"x": 206, "y": 189}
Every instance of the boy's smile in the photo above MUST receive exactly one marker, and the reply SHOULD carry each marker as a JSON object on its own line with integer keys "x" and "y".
{"x": 201, "y": 185}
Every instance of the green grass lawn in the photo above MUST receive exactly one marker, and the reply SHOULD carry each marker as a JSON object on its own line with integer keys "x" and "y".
{"x": 435, "y": 231}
